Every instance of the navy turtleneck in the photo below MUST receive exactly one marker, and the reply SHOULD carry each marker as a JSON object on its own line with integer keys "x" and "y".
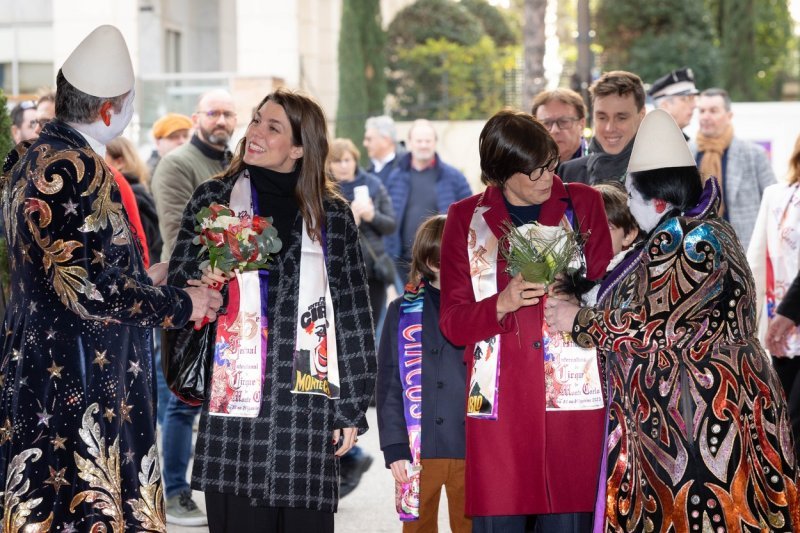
{"x": 276, "y": 199}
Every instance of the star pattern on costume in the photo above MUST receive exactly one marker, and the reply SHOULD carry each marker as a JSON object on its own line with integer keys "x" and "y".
{"x": 130, "y": 457}
{"x": 99, "y": 258}
{"x": 167, "y": 322}
{"x": 109, "y": 414}
{"x": 15, "y": 354}
{"x": 68, "y": 527}
{"x": 100, "y": 358}
{"x": 44, "y": 418}
{"x": 2, "y": 380}
{"x": 135, "y": 308}
{"x": 55, "y": 370}
{"x": 56, "y": 478}
{"x": 51, "y": 334}
{"x": 25, "y": 250}
{"x": 32, "y": 307}
{"x": 58, "y": 442}
{"x": 6, "y": 432}
{"x": 113, "y": 289}
{"x": 70, "y": 208}
{"x": 129, "y": 284}
{"x": 135, "y": 368}
{"x": 125, "y": 411}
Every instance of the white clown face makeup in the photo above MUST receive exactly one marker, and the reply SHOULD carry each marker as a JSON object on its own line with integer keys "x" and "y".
{"x": 644, "y": 211}
{"x": 119, "y": 121}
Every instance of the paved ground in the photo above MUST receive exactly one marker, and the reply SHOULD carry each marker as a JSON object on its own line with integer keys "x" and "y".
{"x": 368, "y": 509}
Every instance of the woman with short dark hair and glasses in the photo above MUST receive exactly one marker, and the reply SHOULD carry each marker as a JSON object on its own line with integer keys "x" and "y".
{"x": 526, "y": 462}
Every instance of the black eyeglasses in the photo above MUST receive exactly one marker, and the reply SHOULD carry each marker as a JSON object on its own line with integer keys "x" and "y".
{"x": 538, "y": 172}
{"x": 564, "y": 123}
{"x": 216, "y": 113}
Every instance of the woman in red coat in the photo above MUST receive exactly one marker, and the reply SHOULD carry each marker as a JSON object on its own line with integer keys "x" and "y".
{"x": 531, "y": 450}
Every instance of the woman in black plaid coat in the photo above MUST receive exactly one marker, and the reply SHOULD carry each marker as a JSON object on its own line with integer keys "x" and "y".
{"x": 279, "y": 471}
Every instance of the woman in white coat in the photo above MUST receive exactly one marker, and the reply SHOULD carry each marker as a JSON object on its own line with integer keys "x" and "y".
{"x": 774, "y": 257}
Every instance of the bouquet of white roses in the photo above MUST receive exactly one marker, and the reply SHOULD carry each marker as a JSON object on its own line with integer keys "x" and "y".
{"x": 540, "y": 252}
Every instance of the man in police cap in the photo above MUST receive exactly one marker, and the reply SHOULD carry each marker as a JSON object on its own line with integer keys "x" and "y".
{"x": 77, "y": 421}
{"x": 675, "y": 93}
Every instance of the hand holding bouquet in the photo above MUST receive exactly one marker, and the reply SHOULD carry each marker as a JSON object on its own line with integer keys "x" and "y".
{"x": 540, "y": 252}
{"x": 233, "y": 243}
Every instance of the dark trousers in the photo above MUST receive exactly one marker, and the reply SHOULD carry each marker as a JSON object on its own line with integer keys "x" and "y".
{"x": 788, "y": 370}
{"x": 377, "y": 301}
{"x": 234, "y": 514}
{"x": 543, "y": 523}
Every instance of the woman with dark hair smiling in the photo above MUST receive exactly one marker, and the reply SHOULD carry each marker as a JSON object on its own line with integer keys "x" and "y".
{"x": 698, "y": 435}
{"x": 523, "y": 457}
{"x": 268, "y": 453}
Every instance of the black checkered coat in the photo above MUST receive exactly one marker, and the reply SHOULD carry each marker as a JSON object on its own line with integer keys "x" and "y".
{"x": 285, "y": 456}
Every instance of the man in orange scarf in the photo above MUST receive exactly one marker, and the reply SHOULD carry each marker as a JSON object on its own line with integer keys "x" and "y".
{"x": 741, "y": 167}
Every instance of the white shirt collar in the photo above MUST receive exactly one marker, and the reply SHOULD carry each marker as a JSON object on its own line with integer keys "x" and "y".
{"x": 380, "y": 163}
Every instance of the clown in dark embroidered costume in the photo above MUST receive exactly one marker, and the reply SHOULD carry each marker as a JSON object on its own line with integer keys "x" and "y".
{"x": 77, "y": 419}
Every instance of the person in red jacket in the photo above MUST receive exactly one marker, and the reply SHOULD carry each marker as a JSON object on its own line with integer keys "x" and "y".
{"x": 527, "y": 459}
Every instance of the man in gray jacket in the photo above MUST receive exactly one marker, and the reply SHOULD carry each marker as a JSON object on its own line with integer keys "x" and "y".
{"x": 182, "y": 170}
{"x": 741, "y": 167}
{"x": 175, "y": 179}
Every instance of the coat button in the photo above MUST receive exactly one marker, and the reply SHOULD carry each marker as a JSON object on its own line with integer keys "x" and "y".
{"x": 537, "y": 345}
{"x": 434, "y": 350}
{"x": 439, "y": 420}
{"x": 440, "y": 384}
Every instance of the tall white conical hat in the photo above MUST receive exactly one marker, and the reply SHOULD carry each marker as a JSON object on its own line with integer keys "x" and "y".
{"x": 100, "y": 65}
{"x": 659, "y": 144}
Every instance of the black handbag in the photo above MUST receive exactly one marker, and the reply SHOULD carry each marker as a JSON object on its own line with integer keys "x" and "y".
{"x": 382, "y": 266}
{"x": 186, "y": 361}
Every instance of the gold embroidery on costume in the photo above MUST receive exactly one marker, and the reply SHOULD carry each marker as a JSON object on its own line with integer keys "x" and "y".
{"x": 16, "y": 509}
{"x": 149, "y": 508}
{"x": 45, "y": 159}
{"x": 102, "y": 473}
{"x": 67, "y": 280}
{"x": 16, "y": 199}
{"x": 104, "y": 211}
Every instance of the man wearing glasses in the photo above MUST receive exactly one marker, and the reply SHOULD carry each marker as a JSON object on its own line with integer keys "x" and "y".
{"x": 23, "y": 122}
{"x": 45, "y": 110}
{"x": 182, "y": 170}
{"x": 175, "y": 179}
{"x": 563, "y": 113}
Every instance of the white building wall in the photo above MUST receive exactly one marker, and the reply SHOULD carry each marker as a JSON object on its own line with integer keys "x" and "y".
{"x": 74, "y": 20}
{"x": 267, "y": 39}
{"x": 319, "y": 22}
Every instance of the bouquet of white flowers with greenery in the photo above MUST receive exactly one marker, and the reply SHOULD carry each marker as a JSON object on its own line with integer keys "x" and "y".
{"x": 541, "y": 252}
